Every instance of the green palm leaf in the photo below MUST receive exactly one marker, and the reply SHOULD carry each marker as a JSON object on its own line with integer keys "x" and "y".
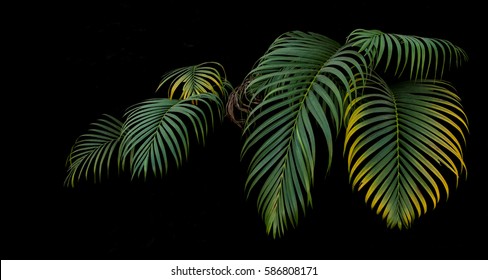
{"x": 208, "y": 77}
{"x": 421, "y": 53}
{"x": 94, "y": 150}
{"x": 158, "y": 131}
{"x": 301, "y": 80}
{"x": 398, "y": 141}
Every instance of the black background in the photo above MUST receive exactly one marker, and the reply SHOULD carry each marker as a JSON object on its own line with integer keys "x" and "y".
{"x": 69, "y": 63}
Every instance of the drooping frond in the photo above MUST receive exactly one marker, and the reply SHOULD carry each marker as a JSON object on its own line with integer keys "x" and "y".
{"x": 203, "y": 78}
{"x": 158, "y": 131}
{"x": 93, "y": 151}
{"x": 302, "y": 80}
{"x": 398, "y": 142}
{"x": 419, "y": 56}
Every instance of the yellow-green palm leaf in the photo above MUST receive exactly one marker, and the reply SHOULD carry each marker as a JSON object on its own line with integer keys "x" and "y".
{"x": 184, "y": 82}
{"x": 399, "y": 141}
{"x": 302, "y": 80}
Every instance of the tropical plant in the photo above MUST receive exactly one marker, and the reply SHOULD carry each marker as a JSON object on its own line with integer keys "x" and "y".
{"x": 404, "y": 129}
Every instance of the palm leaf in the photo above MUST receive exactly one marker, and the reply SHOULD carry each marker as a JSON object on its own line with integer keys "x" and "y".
{"x": 184, "y": 82}
{"x": 158, "y": 131}
{"x": 399, "y": 140}
{"x": 414, "y": 54}
{"x": 302, "y": 79}
{"x": 94, "y": 150}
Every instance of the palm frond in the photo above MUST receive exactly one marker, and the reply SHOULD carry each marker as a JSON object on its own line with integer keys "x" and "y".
{"x": 302, "y": 80}
{"x": 93, "y": 151}
{"x": 419, "y": 56}
{"x": 398, "y": 142}
{"x": 158, "y": 131}
{"x": 184, "y": 82}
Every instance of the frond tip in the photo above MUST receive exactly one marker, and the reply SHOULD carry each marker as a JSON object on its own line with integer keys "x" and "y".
{"x": 93, "y": 151}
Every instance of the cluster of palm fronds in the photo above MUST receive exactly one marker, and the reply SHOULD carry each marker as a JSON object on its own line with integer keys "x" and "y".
{"x": 401, "y": 134}
{"x": 156, "y": 133}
